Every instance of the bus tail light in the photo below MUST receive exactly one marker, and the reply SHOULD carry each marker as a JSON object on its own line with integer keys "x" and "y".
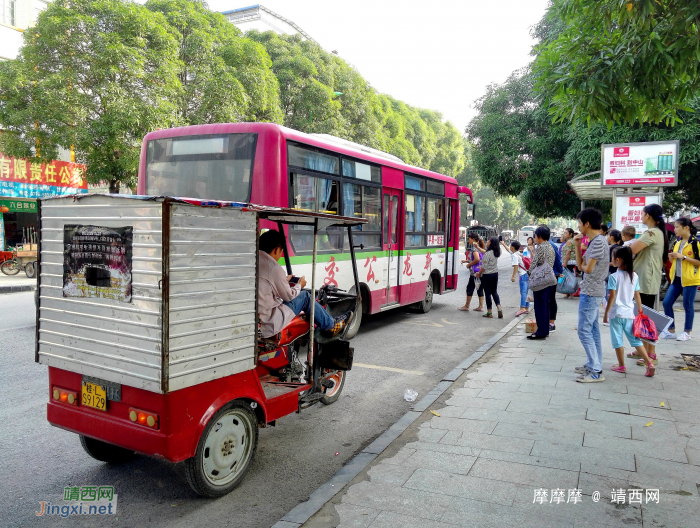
{"x": 145, "y": 418}
{"x": 65, "y": 396}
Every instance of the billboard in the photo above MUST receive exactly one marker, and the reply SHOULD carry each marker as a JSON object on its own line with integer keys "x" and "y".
{"x": 20, "y": 178}
{"x": 627, "y": 210}
{"x": 650, "y": 164}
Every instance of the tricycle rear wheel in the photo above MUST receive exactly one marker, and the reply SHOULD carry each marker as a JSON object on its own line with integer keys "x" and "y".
{"x": 105, "y": 452}
{"x": 30, "y": 270}
{"x": 225, "y": 451}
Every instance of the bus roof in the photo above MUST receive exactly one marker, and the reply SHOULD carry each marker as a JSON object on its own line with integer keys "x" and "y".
{"x": 309, "y": 139}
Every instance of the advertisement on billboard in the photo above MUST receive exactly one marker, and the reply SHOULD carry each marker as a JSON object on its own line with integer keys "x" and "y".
{"x": 20, "y": 178}
{"x": 650, "y": 164}
{"x": 627, "y": 210}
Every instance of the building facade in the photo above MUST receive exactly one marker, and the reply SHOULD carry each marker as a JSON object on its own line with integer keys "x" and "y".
{"x": 263, "y": 19}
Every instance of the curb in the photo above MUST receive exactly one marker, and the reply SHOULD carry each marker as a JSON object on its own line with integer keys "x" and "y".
{"x": 16, "y": 289}
{"x": 305, "y": 510}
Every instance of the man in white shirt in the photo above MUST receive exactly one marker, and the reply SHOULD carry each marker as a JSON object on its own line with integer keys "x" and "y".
{"x": 278, "y": 301}
{"x": 519, "y": 272}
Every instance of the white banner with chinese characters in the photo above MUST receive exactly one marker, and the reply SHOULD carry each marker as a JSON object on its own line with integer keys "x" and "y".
{"x": 650, "y": 164}
{"x": 627, "y": 210}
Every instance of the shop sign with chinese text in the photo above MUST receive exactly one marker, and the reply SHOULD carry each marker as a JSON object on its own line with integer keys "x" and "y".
{"x": 19, "y": 205}
{"x": 24, "y": 179}
{"x": 628, "y": 210}
{"x": 650, "y": 164}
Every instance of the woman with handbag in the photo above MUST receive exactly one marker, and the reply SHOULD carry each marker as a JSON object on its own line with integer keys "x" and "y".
{"x": 542, "y": 280}
{"x": 473, "y": 262}
{"x": 489, "y": 276}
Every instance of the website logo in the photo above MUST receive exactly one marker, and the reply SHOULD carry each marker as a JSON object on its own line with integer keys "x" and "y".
{"x": 81, "y": 500}
{"x": 621, "y": 152}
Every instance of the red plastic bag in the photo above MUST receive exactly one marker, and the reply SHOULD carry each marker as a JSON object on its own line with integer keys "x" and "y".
{"x": 644, "y": 328}
{"x": 526, "y": 263}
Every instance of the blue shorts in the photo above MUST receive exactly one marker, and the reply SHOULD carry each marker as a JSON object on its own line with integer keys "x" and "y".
{"x": 618, "y": 327}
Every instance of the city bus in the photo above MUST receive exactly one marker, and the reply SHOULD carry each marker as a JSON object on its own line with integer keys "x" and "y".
{"x": 406, "y": 253}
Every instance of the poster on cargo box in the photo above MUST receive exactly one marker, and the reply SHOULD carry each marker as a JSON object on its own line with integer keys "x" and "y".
{"x": 97, "y": 262}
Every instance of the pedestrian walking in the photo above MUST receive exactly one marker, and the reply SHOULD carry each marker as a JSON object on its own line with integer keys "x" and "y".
{"x": 685, "y": 276}
{"x": 651, "y": 250}
{"x": 519, "y": 273}
{"x": 594, "y": 264}
{"x": 473, "y": 262}
{"x": 489, "y": 276}
{"x": 542, "y": 281}
{"x": 623, "y": 286}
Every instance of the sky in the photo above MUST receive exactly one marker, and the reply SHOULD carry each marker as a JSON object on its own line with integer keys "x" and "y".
{"x": 439, "y": 54}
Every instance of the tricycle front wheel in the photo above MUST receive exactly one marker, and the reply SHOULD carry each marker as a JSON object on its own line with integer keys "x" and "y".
{"x": 225, "y": 451}
{"x": 105, "y": 452}
{"x": 10, "y": 267}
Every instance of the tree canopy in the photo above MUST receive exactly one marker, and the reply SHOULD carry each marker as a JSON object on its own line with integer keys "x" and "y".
{"x": 93, "y": 74}
{"x": 100, "y": 74}
{"x": 621, "y": 61}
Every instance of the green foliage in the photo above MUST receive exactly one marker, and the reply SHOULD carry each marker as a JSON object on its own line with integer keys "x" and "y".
{"x": 95, "y": 74}
{"x": 309, "y": 77}
{"x": 224, "y": 76}
{"x": 620, "y": 61}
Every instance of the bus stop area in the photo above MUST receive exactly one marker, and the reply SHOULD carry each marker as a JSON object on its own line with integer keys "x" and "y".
{"x": 514, "y": 441}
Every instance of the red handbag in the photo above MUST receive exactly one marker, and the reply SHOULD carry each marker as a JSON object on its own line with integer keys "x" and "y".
{"x": 644, "y": 328}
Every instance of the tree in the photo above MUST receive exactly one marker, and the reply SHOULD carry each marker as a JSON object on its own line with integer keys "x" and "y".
{"x": 224, "y": 76}
{"x": 93, "y": 74}
{"x": 621, "y": 61}
{"x": 518, "y": 151}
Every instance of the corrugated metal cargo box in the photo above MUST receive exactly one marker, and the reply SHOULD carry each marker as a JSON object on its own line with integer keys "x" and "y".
{"x": 153, "y": 293}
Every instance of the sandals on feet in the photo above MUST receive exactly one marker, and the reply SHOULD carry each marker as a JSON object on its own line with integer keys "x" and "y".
{"x": 643, "y": 363}
{"x": 651, "y": 370}
{"x": 488, "y": 314}
{"x": 633, "y": 355}
{"x": 618, "y": 368}
{"x": 479, "y": 309}
{"x": 463, "y": 309}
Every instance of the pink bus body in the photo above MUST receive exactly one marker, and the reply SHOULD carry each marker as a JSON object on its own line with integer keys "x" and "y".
{"x": 393, "y": 271}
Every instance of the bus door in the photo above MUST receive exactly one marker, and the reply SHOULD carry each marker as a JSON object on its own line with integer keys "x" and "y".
{"x": 392, "y": 200}
{"x": 450, "y": 258}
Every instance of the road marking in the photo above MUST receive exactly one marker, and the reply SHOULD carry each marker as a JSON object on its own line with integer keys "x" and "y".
{"x": 391, "y": 369}
{"x": 424, "y": 322}
{"x": 447, "y": 322}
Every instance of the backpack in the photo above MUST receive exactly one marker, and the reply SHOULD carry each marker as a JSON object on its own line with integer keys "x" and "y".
{"x": 558, "y": 269}
{"x": 526, "y": 263}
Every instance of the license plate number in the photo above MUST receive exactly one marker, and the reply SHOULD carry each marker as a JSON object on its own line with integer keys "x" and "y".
{"x": 94, "y": 396}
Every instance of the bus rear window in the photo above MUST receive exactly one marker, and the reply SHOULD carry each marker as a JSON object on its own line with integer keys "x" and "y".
{"x": 210, "y": 167}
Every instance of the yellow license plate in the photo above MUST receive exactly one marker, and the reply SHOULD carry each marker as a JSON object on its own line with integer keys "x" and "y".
{"x": 94, "y": 396}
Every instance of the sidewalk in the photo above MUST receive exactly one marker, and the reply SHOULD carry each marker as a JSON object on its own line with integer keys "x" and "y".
{"x": 517, "y": 424}
{"x": 16, "y": 283}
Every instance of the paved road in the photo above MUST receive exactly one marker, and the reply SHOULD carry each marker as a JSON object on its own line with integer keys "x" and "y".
{"x": 293, "y": 459}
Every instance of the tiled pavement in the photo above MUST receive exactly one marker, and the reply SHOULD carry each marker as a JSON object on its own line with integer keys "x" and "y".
{"x": 516, "y": 422}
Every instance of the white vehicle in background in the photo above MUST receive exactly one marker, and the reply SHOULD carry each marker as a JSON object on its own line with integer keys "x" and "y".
{"x": 524, "y": 233}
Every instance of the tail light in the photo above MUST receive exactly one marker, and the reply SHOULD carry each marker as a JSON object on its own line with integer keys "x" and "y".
{"x": 145, "y": 418}
{"x": 65, "y": 396}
